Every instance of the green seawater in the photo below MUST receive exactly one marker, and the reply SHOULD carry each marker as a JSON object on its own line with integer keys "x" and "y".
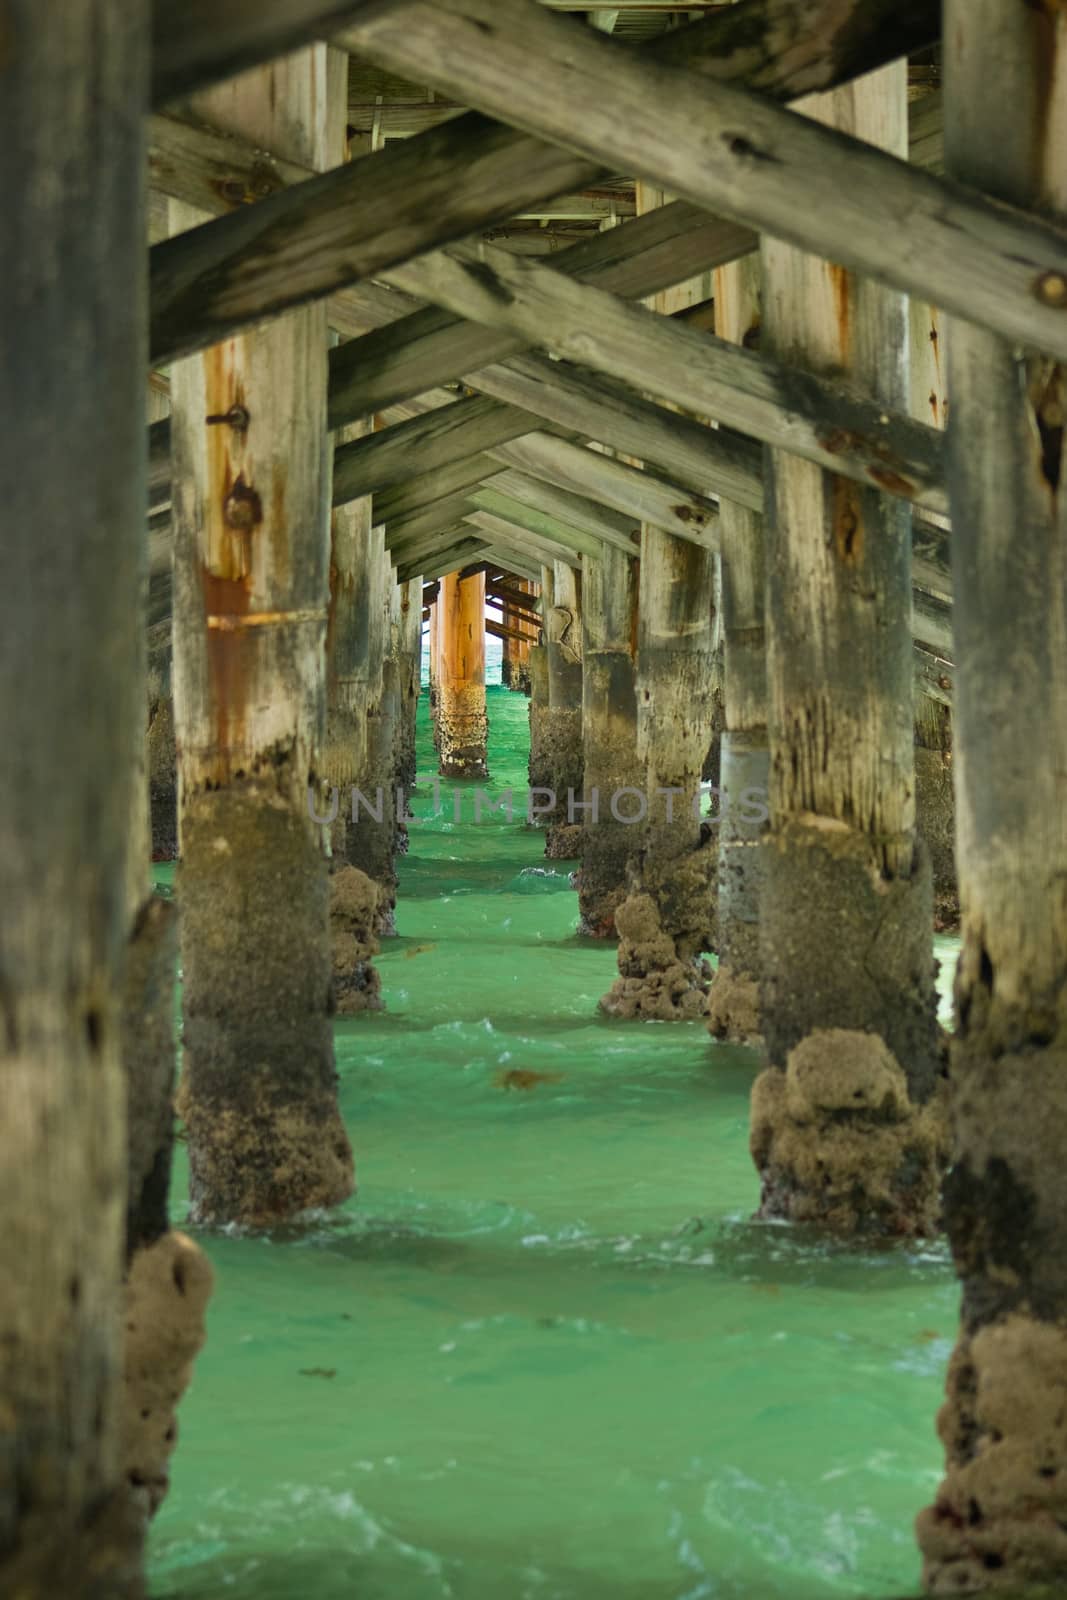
{"x": 543, "y": 1354}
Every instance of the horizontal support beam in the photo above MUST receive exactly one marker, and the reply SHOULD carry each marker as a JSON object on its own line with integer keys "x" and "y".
{"x": 500, "y": 630}
{"x": 521, "y": 541}
{"x": 578, "y": 511}
{"x": 465, "y": 174}
{"x": 841, "y": 430}
{"x": 541, "y": 524}
{"x": 418, "y": 493}
{"x": 427, "y": 520}
{"x": 736, "y": 153}
{"x": 635, "y": 493}
{"x": 934, "y": 676}
{"x": 448, "y": 561}
{"x": 310, "y": 240}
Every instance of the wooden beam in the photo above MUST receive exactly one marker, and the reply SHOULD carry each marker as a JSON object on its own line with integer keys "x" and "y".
{"x": 575, "y": 511}
{"x": 427, "y": 546}
{"x": 428, "y": 519}
{"x": 499, "y": 630}
{"x": 635, "y": 493}
{"x": 661, "y": 249}
{"x": 445, "y": 482}
{"x": 575, "y": 542}
{"x": 433, "y": 441}
{"x": 816, "y": 417}
{"x": 218, "y": 173}
{"x": 196, "y": 43}
{"x": 522, "y": 538}
{"x": 519, "y": 564}
{"x": 430, "y": 347}
{"x": 449, "y": 561}
{"x": 987, "y": 262}
{"x": 461, "y": 175}
{"x": 349, "y": 223}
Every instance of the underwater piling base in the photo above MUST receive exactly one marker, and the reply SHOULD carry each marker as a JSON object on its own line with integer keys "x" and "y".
{"x": 258, "y": 1091}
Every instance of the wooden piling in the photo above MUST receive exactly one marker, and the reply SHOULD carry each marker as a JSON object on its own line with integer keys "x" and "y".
{"x": 935, "y": 809}
{"x": 999, "y": 1520}
{"x": 847, "y": 993}
{"x": 538, "y": 768}
{"x": 251, "y": 512}
{"x": 521, "y": 670}
{"x": 609, "y": 736}
{"x": 461, "y": 703}
{"x": 162, "y": 753}
{"x": 72, "y": 306}
{"x": 563, "y": 728}
{"x": 733, "y": 1000}
{"x": 666, "y": 921}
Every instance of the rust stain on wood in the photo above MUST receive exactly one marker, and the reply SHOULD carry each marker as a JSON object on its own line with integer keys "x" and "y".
{"x": 881, "y": 471}
{"x": 892, "y": 482}
{"x": 278, "y": 524}
{"x": 687, "y": 514}
{"x": 841, "y": 288}
{"x": 234, "y": 513}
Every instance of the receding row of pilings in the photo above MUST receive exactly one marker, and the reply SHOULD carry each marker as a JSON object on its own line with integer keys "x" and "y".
{"x": 837, "y": 978}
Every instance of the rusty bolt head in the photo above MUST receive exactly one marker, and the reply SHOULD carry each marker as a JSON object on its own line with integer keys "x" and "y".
{"x": 1051, "y": 290}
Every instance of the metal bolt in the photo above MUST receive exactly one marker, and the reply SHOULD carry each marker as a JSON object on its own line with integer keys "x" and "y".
{"x": 1051, "y": 289}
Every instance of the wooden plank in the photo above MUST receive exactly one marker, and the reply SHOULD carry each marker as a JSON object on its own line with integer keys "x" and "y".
{"x": 989, "y": 263}
{"x": 583, "y": 404}
{"x": 427, "y": 546}
{"x": 499, "y": 631}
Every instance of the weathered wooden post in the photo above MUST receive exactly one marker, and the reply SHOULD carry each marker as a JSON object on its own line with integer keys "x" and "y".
{"x": 1000, "y": 1515}
{"x": 609, "y": 736}
{"x": 667, "y": 918}
{"x": 539, "y": 769}
{"x": 251, "y": 511}
{"x": 72, "y": 692}
{"x": 461, "y": 703}
{"x": 162, "y": 751}
{"x": 563, "y": 728}
{"x": 353, "y": 671}
{"x": 733, "y": 1001}
{"x": 409, "y": 645}
{"x": 168, "y": 1277}
{"x": 846, "y": 1128}
{"x": 509, "y": 650}
{"x": 935, "y": 810}
{"x": 435, "y": 670}
{"x": 521, "y": 664}
{"x": 369, "y": 804}
{"x": 353, "y": 685}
